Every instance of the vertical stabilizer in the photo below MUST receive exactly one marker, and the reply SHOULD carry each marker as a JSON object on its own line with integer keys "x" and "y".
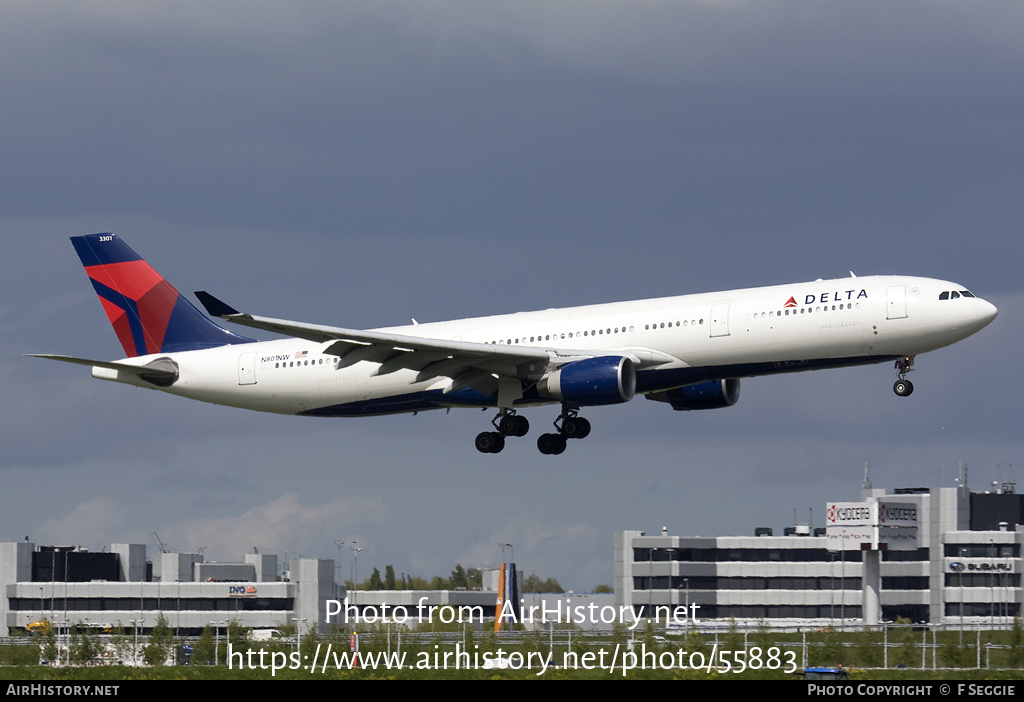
{"x": 147, "y": 313}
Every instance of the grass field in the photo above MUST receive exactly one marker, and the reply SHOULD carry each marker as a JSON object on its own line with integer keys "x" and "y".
{"x": 899, "y": 653}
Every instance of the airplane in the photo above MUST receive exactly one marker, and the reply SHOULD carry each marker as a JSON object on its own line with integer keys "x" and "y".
{"x": 689, "y": 351}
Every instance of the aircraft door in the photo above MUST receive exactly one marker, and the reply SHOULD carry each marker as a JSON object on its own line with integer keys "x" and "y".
{"x": 896, "y": 302}
{"x": 247, "y": 368}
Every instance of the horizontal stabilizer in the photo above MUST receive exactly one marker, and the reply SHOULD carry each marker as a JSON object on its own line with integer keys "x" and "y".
{"x": 162, "y": 372}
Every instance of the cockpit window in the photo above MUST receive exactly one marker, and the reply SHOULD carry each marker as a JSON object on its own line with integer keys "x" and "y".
{"x": 954, "y": 295}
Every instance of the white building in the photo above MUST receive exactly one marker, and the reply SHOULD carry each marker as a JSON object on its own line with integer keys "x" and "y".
{"x": 967, "y": 565}
{"x": 67, "y": 585}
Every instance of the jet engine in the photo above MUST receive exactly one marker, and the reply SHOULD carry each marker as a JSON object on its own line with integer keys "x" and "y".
{"x": 711, "y": 394}
{"x": 606, "y": 380}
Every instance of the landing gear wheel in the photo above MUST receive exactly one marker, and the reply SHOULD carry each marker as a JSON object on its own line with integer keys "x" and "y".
{"x": 489, "y": 442}
{"x": 903, "y": 387}
{"x": 576, "y": 427}
{"x": 551, "y": 444}
{"x": 514, "y": 425}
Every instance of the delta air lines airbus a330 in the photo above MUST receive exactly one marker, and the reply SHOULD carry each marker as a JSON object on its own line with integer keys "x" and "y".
{"x": 688, "y": 351}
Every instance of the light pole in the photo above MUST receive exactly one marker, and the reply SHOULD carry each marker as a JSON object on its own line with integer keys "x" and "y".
{"x": 216, "y": 647}
{"x": 68, "y": 632}
{"x": 355, "y": 567}
{"x": 686, "y": 584}
{"x": 135, "y": 647}
{"x": 339, "y": 544}
{"x": 298, "y": 633}
{"x": 960, "y": 575}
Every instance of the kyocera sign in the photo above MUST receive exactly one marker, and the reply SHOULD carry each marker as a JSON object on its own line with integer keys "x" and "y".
{"x": 870, "y": 514}
{"x": 847, "y": 513}
{"x": 897, "y": 514}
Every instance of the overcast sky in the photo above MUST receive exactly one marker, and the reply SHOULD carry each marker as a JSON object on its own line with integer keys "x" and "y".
{"x": 362, "y": 163}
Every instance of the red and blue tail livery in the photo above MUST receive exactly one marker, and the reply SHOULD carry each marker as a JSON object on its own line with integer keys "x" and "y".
{"x": 148, "y": 315}
{"x": 688, "y": 351}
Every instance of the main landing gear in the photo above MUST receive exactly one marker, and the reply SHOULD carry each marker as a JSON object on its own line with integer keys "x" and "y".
{"x": 903, "y": 387}
{"x": 507, "y": 423}
{"x": 572, "y": 427}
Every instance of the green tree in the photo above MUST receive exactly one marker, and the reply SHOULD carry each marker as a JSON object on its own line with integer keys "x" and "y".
{"x": 600, "y": 589}
{"x": 954, "y": 655}
{"x": 389, "y": 577}
{"x": 694, "y": 641}
{"x": 869, "y": 649}
{"x": 733, "y": 639}
{"x": 533, "y": 640}
{"x": 832, "y": 651}
{"x": 458, "y": 578}
{"x": 82, "y": 647}
{"x": 413, "y": 582}
{"x": 50, "y": 650}
{"x": 310, "y": 640}
{"x": 648, "y": 637}
{"x": 763, "y": 638}
{"x": 205, "y": 649}
{"x": 375, "y": 582}
{"x": 903, "y": 650}
{"x": 532, "y": 583}
{"x": 238, "y": 634}
{"x": 122, "y": 644}
{"x": 160, "y": 644}
{"x": 1016, "y": 653}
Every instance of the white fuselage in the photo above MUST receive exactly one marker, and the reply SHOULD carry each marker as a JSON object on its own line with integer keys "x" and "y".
{"x": 730, "y": 334}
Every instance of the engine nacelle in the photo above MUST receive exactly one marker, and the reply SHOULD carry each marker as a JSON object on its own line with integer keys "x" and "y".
{"x": 606, "y": 380}
{"x": 711, "y": 394}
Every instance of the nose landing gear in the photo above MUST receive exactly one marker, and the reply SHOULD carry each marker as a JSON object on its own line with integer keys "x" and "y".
{"x": 903, "y": 387}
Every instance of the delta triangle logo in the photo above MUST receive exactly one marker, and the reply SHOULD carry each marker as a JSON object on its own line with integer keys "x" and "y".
{"x": 791, "y": 302}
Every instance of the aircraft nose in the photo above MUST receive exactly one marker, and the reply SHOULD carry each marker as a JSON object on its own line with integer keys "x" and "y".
{"x": 985, "y": 312}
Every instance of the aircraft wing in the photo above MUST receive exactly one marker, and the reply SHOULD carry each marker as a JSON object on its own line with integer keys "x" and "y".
{"x": 466, "y": 362}
{"x": 430, "y": 356}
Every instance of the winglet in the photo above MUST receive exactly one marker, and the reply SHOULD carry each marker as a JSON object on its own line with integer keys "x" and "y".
{"x": 215, "y": 307}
